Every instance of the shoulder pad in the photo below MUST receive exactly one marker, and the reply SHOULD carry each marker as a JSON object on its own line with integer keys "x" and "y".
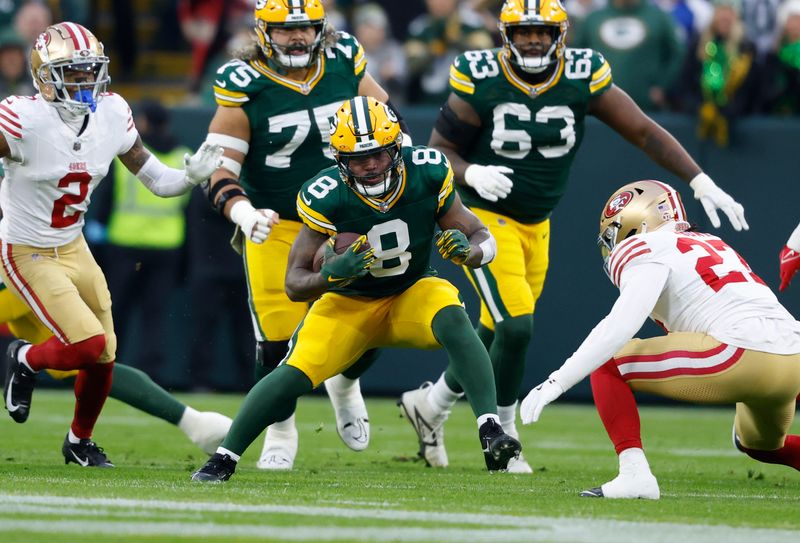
{"x": 119, "y": 108}
{"x": 433, "y": 168}
{"x": 12, "y": 113}
{"x": 316, "y": 201}
{"x": 588, "y": 65}
{"x": 636, "y": 249}
{"x": 347, "y": 48}
{"x": 234, "y": 82}
{"x": 471, "y": 68}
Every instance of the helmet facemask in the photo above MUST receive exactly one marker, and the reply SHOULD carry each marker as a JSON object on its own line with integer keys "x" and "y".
{"x": 365, "y": 184}
{"x": 75, "y": 97}
{"x": 535, "y": 64}
{"x": 286, "y": 55}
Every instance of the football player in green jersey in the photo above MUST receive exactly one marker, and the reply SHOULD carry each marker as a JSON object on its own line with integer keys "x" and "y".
{"x": 511, "y": 128}
{"x": 275, "y": 104}
{"x": 378, "y": 296}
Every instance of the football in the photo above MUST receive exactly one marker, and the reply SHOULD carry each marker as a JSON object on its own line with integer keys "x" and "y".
{"x": 343, "y": 241}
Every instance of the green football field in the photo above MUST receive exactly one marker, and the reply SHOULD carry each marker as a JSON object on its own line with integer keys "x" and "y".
{"x": 709, "y": 491}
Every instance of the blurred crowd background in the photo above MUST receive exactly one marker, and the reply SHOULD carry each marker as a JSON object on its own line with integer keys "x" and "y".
{"x": 172, "y": 275}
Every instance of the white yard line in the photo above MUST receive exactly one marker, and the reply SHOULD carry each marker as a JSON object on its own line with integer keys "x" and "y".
{"x": 482, "y": 527}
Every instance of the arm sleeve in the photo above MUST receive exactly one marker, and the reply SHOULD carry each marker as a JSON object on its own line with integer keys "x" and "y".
{"x": 642, "y": 285}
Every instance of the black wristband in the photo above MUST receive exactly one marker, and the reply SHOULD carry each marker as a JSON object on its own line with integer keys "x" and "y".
{"x": 225, "y": 196}
{"x": 214, "y": 189}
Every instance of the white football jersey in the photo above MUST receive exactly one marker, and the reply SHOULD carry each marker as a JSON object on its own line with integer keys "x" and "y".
{"x": 710, "y": 289}
{"x": 52, "y": 171}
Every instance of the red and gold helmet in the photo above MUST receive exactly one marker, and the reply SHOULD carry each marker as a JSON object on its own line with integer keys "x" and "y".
{"x": 271, "y": 14}
{"x": 66, "y": 48}
{"x": 547, "y": 13}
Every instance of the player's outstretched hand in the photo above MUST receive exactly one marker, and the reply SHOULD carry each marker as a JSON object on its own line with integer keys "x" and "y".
{"x": 341, "y": 270}
{"x": 453, "y": 245}
{"x": 203, "y": 163}
{"x": 713, "y": 198}
{"x": 790, "y": 263}
{"x": 490, "y": 182}
{"x": 538, "y": 398}
{"x": 256, "y": 224}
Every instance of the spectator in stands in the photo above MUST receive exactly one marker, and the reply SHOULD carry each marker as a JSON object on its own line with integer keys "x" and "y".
{"x": 761, "y": 24}
{"x": 720, "y": 79}
{"x": 203, "y": 26}
{"x": 336, "y": 18}
{"x": 145, "y": 238}
{"x": 641, "y": 42}
{"x": 782, "y": 71}
{"x": 14, "y": 75}
{"x": 31, "y": 20}
{"x": 371, "y": 28}
{"x": 435, "y": 39}
{"x": 691, "y": 16}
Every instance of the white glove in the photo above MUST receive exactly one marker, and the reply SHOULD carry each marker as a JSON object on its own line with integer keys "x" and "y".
{"x": 712, "y": 197}
{"x": 537, "y": 398}
{"x": 489, "y": 181}
{"x": 203, "y": 163}
{"x": 256, "y": 224}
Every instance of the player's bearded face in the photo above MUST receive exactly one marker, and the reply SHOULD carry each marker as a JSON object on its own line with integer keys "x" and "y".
{"x": 294, "y": 41}
{"x": 371, "y": 169}
{"x": 533, "y": 40}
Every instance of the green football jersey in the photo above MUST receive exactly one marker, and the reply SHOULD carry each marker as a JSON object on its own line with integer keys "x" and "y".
{"x": 400, "y": 230}
{"x": 289, "y": 120}
{"x": 533, "y": 129}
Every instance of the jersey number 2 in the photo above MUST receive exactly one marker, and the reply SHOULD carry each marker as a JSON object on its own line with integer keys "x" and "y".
{"x": 59, "y": 219}
{"x": 715, "y": 250}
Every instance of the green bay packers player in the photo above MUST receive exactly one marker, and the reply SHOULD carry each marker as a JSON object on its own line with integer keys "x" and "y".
{"x": 274, "y": 109}
{"x": 381, "y": 296}
{"x": 129, "y": 385}
{"x": 728, "y": 338}
{"x": 511, "y": 128}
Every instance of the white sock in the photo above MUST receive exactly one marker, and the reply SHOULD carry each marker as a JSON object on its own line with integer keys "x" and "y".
{"x": 485, "y": 417}
{"x": 189, "y": 421}
{"x": 22, "y": 356}
{"x": 282, "y": 427}
{"x": 508, "y": 416}
{"x": 440, "y": 397}
{"x": 343, "y": 391}
{"x": 633, "y": 460}
{"x": 223, "y": 451}
{"x": 73, "y": 438}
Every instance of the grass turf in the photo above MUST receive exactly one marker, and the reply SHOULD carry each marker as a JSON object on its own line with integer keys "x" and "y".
{"x": 385, "y": 493}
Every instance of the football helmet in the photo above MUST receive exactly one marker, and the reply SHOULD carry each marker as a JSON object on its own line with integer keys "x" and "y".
{"x": 60, "y": 51}
{"x": 272, "y": 14}
{"x": 361, "y": 127}
{"x": 636, "y": 208}
{"x": 548, "y": 13}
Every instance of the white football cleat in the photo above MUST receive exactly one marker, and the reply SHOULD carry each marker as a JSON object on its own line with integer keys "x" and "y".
{"x": 519, "y": 465}
{"x": 640, "y": 484}
{"x": 280, "y": 446}
{"x": 352, "y": 421}
{"x": 428, "y": 424}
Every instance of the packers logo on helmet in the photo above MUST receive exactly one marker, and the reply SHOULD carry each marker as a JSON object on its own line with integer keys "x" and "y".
{"x": 62, "y": 50}
{"x": 365, "y": 132}
{"x": 637, "y": 208}
{"x": 272, "y": 14}
{"x": 547, "y": 13}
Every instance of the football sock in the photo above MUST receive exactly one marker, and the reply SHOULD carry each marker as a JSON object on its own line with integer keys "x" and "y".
{"x": 469, "y": 361}
{"x": 486, "y": 335}
{"x": 55, "y": 355}
{"x": 135, "y": 388}
{"x": 508, "y": 416}
{"x": 72, "y": 438}
{"x": 91, "y": 390}
{"x": 284, "y": 426}
{"x": 344, "y": 392}
{"x": 788, "y": 455}
{"x": 441, "y": 397}
{"x": 616, "y": 407}
{"x": 511, "y": 339}
{"x": 633, "y": 460}
{"x": 485, "y": 417}
{"x": 272, "y": 399}
{"x": 233, "y": 456}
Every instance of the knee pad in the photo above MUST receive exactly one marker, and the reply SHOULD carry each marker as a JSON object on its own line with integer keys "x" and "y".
{"x": 270, "y": 353}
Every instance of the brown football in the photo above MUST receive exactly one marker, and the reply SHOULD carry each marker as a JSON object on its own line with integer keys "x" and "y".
{"x": 343, "y": 241}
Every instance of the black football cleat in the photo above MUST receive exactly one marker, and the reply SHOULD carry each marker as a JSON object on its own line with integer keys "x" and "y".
{"x": 19, "y": 384}
{"x": 86, "y": 454}
{"x": 218, "y": 469}
{"x": 498, "y": 446}
{"x": 592, "y": 493}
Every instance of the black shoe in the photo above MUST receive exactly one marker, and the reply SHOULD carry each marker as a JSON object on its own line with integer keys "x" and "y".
{"x": 218, "y": 469}
{"x": 498, "y": 446}
{"x": 86, "y": 453}
{"x": 19, "y": 384}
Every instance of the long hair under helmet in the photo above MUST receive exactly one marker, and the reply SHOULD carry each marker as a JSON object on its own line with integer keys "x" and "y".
{"x": 271, "y": 14}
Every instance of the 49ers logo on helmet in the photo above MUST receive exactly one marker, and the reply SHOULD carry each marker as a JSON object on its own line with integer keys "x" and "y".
{"x": 615, "y": 206}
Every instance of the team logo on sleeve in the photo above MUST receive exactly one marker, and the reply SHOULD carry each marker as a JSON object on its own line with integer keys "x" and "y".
{"x": 620, "y": 201}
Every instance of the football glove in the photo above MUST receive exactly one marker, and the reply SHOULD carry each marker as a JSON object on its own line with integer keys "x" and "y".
{"x": 489, "y": 181}
{"x": 203, "y": 163}
{"x": 538, "y": 398}
{"x": 453, "y": 245}
{"x": 790, "y": 263}
{"x": 256, "y": 224}
{"x": 341, "y": 270}
{"x": 713, "y": 198}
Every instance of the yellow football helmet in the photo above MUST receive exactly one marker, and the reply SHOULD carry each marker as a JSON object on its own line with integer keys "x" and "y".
{"x": 67, "y": 48}
{"x": 272, "y": 14}
{"x": 548, "y": 13}
{"x": 363, "y": 127}
{"x": 637, "y": 208}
